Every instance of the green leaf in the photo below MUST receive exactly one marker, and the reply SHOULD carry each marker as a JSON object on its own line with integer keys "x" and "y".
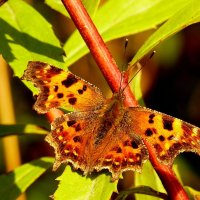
{"x": 98, "y": 187}
{"x": 135, "y": 84}
{"x": 21, "y": 129}
{"x": 142, "y": 190}
{"x": 17, "y": 181}
{"x": 58, "y": 6}
{"x": 193, "y": 194}
{"x": 26, "y": 35}
{"x": 148, "y": 177}
{"x": 91, "y": 6}
{"x": 187, "y": 15}
{"x": 117, "y": 19}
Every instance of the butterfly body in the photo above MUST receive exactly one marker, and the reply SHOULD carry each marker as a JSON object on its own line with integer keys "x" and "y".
{"x": 103, "y": 133}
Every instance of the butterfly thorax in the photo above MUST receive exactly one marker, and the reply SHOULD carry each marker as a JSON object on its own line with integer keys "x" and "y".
{"x": 110, "y": 116}
{"x": 114, "y": 106}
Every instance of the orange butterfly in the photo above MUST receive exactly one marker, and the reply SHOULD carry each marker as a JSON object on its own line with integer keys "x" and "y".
{"x": 103, "y": 133}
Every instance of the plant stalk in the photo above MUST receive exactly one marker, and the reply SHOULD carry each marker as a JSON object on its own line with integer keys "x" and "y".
{"x": 98, "y": 49}
{"x": 10, "y": 143}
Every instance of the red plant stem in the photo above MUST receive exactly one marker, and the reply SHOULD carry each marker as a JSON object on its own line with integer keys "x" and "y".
{"x": 112, "y": 74}
{"x": 97, "y": 47}
{"x": 173, "y": 187}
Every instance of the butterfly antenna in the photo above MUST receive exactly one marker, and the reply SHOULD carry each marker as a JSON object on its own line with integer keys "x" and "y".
{"x": 141, "y": 67}
{"x": 121, "y": 78}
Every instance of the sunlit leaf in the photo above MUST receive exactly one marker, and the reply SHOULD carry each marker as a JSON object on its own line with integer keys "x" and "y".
{"x": 17, "y": 181}
{"x": 186, "y": 16}
{"x": 117, "y": 19}
{"x": 91, "y": 187}
{"x": 91, "y": 6}
{"x": 26, "y": 35}
{"x": 148, "y": 177}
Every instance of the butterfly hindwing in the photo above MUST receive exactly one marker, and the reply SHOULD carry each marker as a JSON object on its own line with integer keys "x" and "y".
{"x": 70, "y": 136}
{"x": 121, "y": 150}
{"x": 168, "y": 135}
{"x": 96, "y": 140}
{"x": 59, "y": 88}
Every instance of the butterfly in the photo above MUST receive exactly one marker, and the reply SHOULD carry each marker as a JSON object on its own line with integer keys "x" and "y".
{"x": 103, "y": 133}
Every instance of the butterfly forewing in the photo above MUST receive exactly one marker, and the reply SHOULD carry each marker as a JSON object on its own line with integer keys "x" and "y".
{"x": 168, "y": 135}
{"x": 59, "y": 88}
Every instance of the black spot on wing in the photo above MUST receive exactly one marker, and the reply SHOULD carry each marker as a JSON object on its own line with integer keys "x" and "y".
{"x": 161, "y": 138}
{"x": 168, "y": 123}
{"x": 171, "y": 137}
{"x": 54, "y": 70}
{"x": 77, "y": 138}
{"x": 134, "y": 144}
{"x": 72, "y": 100}
{"x": 55, "y": 88}
{"x": 80, "y": 91}
{"x": 69, "y": 81}
{"x": 60, "y": 95}
{"x": 84, "y": 87}
{"x": 78, "y": 127}
{"x": 151, "y": 116}
{"x": 148, "y": 132}
{"x": 71, "y": 123}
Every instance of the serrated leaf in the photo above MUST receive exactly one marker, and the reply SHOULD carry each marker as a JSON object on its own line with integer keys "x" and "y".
{"x": 21, "y": 129}
{"x": 144, "y": 179}
{"x": 91, "y": 6}
{"x": 17, "y": 181}
{"x": 117, "y": 19}
{"x": 26, "y": 35}
{"x": 75, "y": 186}
{"x": 186, "y": 16}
